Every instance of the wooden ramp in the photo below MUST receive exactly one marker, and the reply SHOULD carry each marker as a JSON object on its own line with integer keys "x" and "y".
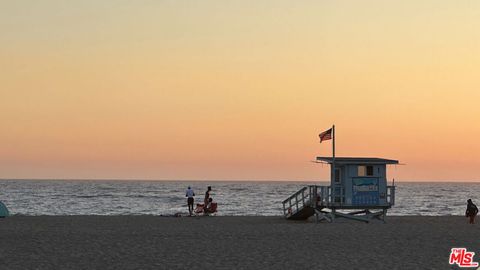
{"x": 303, "y": 213}
{"x": 299, "y": 206}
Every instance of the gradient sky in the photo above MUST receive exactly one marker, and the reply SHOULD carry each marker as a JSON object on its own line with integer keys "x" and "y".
{"x": 237, "y": 89}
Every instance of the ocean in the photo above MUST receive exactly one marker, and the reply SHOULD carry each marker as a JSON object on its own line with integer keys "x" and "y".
{"x": 118, "y": 197}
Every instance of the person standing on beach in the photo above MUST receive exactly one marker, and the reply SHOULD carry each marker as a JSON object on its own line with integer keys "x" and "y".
{"x": 207, "y": 196}
{"x": 471, "y": 211}
{"x": 190, "y": 194}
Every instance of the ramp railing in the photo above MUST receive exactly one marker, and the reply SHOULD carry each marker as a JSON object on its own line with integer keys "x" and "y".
{"x": 296, "y": 202}
{"x": 312, "y": 196}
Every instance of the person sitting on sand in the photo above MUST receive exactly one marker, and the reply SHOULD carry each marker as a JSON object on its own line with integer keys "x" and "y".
{"x": 210, "y": 208}
{"x": 471, "y": 211}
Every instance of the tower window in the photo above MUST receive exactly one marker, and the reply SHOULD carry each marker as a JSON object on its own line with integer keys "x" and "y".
{"x": 365, "y": 170}
{"x": 337, "y": 175}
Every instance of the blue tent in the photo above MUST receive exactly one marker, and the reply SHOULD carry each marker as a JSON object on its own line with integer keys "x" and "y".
{"x": 3, "y": 210}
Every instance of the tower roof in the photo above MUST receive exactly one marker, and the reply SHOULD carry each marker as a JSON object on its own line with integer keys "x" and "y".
{"x": 357, "y": 160}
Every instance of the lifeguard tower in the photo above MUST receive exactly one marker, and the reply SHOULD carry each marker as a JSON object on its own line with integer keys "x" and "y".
{"x": 358, "y": 185}
{"x": 3, "y": 211}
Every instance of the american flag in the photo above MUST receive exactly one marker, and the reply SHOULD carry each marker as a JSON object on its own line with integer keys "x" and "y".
{"x": 326, "y": 135}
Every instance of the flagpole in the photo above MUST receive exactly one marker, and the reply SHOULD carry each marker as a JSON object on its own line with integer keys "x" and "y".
{"x": 333, "y": 164}
{"x": 333, "y": 152}
{"x": 333, "y": 143}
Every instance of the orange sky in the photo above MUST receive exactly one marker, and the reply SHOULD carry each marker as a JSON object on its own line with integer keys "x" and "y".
{"x": 237, "y": 90}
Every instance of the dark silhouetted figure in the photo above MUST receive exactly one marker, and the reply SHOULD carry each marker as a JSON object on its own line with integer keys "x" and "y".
{"x": 207, "y": 196}
{"x": 471, "y": 211}
{"x": 190, "y": 194}
{"x": 208, "y": 207}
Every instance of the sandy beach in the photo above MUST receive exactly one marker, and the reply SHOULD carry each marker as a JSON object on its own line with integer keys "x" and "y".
{"x": 152, "y": 242}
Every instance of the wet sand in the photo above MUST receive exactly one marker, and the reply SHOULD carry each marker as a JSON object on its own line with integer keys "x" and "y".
{"x": 152, "y": 242}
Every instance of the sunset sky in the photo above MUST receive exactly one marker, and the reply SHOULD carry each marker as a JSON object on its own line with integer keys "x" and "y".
{"x": 237, "y": 90}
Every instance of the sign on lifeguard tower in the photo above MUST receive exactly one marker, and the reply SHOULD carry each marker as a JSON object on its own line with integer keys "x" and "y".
{"x": 365, "y": 191}
{"x": 356, "y": 183}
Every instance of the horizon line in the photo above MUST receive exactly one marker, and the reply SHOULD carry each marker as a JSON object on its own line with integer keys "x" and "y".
{"x": 220, "y": 180}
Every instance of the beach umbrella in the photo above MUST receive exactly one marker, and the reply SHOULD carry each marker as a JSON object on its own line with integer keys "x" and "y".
{"x": 3, "y": 210}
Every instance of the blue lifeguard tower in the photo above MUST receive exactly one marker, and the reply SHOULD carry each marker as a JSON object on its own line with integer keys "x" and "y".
{"x": 3, "y": 211}
{"x": 358, "y": 185}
